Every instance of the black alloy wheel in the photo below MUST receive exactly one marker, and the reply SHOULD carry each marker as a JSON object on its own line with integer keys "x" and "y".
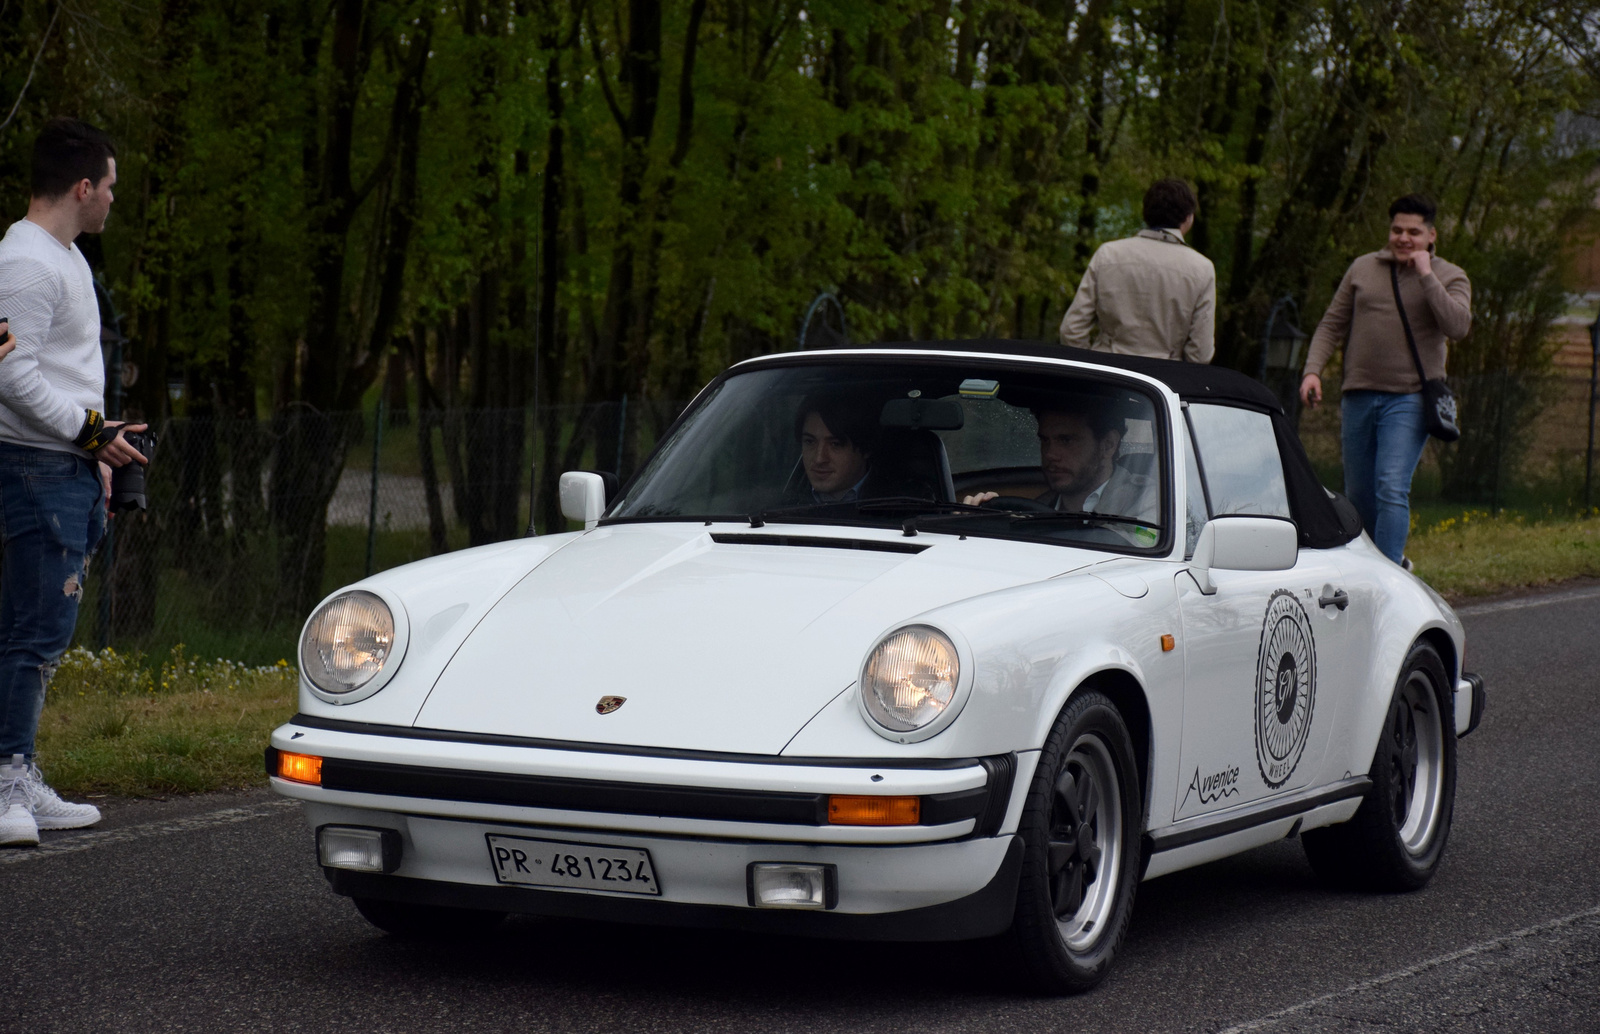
{"x": 1397, "y": 837}
{"x": 1080, "y": 830}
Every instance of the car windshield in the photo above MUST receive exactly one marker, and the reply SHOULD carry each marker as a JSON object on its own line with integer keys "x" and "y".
{"x": 951, "y": 445}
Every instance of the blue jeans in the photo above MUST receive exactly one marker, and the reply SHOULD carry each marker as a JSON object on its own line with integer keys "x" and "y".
{"x": 52, "y": 516}
{"x": 1383, "y": 436}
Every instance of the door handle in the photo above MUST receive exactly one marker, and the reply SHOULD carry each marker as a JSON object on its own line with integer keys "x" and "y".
{"x": 1340, "y": 599}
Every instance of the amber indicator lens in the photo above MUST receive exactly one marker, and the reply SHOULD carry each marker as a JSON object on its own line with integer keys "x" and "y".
{"x": 1168, "y": 643}
{"x": 300, "y": 768}
{"x": 874, "y": 811}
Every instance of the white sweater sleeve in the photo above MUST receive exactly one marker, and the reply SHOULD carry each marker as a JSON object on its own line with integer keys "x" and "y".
{"x": 29, "y": 293}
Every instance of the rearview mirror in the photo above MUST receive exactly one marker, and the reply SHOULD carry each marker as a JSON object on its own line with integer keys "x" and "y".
{"x": 923, "y": 414}
{"x": 583, "y": 497}
{"x": 1236, "y": 542}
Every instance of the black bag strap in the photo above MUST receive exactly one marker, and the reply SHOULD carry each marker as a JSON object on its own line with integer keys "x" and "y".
{"x": 1405, "y": 321}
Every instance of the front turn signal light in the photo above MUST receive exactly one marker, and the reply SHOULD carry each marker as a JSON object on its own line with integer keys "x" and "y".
{"x": 300, "y": 768}
{"x": 874, "y": 811}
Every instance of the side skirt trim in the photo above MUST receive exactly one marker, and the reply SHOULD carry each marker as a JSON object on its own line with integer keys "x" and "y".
{"x": 1193, "y": 831}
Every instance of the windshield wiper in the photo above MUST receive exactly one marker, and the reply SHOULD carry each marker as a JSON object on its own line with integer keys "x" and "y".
{"x": 1081, "y": 515}
{"x": 960, "y": 511}
{"x": 883, "y": 504}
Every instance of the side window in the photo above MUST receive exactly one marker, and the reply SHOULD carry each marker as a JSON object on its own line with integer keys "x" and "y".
{"x": 1194, "y": 494}
{"x": 1239, "y": 454}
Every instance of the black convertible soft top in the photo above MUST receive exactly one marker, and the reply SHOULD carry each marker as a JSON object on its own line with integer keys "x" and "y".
{"x": 1189, "y": 380}
{"x": 1325, "y": 520}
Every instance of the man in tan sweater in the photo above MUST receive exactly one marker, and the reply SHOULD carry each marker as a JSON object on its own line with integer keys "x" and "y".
{"x": 1383, "y": 428}
{"x": 1151, "y": 293}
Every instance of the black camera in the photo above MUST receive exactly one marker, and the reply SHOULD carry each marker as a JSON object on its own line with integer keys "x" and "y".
{"x": 127, "y": 481}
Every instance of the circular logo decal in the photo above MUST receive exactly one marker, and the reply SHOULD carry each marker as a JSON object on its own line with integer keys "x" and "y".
{"x": 1286, "y": 686}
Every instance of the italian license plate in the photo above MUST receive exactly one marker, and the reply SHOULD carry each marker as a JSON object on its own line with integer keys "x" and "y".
{"x": 561, "y": 863}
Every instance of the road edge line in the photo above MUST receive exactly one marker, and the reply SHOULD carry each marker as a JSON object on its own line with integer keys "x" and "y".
{"x": 1525, "y": 602}
{"x": 1411, "y": 971}
{"x": 106, "y": 837}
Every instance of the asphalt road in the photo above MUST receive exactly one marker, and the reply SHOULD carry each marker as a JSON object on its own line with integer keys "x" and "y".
{"x": 209, "y": 914}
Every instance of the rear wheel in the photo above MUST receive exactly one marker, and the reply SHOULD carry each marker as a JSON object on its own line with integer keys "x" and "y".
{"x": 1080, "y": 833}
{"x": 1396, "y": 840}
{"x": 403, "y": 919}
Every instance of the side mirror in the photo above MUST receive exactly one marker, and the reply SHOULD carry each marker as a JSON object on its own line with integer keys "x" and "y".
{"x": 1236, "y": 542}
{"x": 583, "y": 497}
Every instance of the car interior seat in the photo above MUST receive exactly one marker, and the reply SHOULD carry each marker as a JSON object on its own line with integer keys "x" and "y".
{"x": 916, "y": 456}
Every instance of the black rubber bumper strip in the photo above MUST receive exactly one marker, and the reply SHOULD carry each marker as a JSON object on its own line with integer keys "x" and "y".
{"x": 1480, "y": 700}
{"x": 984, "y": 913}
{"x": 407, "y": 732}
{"x": 619, "y": 798}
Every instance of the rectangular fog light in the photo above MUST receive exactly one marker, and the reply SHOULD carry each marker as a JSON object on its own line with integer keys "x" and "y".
{"x": 359, "y": 848}
{"x": 789, "y": 885}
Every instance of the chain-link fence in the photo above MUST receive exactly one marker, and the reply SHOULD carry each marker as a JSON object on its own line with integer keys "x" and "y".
{"x": 250, "y": 522}
{"x": 1526, "y": 437}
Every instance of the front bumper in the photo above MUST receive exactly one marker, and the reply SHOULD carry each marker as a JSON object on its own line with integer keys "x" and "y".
{"x": 704, "y": 820}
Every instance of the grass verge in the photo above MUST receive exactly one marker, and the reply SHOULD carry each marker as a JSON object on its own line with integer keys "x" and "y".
{"x": 115, "y": 724}
{"x": 1474, "y": 553}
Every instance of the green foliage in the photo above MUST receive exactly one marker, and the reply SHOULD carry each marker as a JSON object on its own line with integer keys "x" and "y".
{"x": 549, "y": 203}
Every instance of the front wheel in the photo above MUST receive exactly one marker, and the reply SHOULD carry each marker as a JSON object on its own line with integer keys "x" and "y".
{"x": 1396, "y": 839}
{"x": 1080, "y": 832}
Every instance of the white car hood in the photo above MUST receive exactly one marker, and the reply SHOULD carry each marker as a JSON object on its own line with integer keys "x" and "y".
{"x": 715, "y": 646}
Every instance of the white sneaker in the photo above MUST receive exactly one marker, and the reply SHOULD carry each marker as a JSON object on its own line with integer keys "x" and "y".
{"x": 17, "y": 828}
{"x": 50, "y": 811}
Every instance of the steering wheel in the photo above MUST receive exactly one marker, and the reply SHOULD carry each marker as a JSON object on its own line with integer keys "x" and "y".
{"x": 1016, "y": 503}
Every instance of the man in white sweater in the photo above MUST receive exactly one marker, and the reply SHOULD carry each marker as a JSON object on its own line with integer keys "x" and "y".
{"x": 56, "y": 451}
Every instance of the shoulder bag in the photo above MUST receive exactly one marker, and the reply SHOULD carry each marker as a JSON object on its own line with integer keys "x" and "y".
{"x": 1438, "y": 404}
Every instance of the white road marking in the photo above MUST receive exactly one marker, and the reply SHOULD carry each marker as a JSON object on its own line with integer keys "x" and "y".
{"x": 1570, "y": 596}
{"x": 1411, "y": 971}
{"x": 106, "y": 837}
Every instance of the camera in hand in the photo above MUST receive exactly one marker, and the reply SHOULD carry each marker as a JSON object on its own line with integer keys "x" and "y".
{"x": 127, "y": 481}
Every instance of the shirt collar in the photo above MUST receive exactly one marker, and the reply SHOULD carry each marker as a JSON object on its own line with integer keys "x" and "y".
{"x": 47, "y": 233}
{"x": 850, "y": 496}
{"x": 1172, "y": 235}
{"x": 1091, "y": 500}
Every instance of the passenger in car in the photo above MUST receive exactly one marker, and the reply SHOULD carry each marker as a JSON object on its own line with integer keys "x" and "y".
{"x": 1077, "y": 454}
{"x": 839, "y": 437}
{"x": 836, "y": 442}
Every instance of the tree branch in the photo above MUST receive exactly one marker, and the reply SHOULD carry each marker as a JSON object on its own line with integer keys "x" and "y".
{"x": 600, "y": 73}
{"x": 33, "y": 67}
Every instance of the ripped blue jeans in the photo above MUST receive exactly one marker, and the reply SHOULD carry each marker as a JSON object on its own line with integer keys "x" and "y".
{"x": 52, "y": 517}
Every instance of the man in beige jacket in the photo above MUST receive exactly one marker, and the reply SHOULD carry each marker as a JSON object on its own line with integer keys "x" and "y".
{"x": 1151, "y": 293}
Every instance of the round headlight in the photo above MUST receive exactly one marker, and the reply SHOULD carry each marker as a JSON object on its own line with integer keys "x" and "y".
{"x": 910, "y": 679}
{"x": 347, "y": 642}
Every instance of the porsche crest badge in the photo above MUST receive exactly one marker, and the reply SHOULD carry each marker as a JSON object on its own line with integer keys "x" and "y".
{"x": 609, "y": 704}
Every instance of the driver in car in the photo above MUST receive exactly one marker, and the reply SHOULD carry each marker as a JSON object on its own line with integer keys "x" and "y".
{"x": 1077, "y": 455}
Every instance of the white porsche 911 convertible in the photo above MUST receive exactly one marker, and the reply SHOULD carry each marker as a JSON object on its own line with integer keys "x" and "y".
{"x": 901, "y": 642}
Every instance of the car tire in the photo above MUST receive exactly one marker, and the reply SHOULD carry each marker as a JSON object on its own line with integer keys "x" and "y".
{"x": 403, "y": 919}
{"x": 1395, "y": 841}
{"x": 1080, "y": 831}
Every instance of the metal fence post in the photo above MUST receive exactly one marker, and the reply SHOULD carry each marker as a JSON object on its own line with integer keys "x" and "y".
{"x": 372, "y": 498}
{"x": 622, "y": 429}
{"x": 1594, "y": 383}
{"x": 108, "y": 544}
